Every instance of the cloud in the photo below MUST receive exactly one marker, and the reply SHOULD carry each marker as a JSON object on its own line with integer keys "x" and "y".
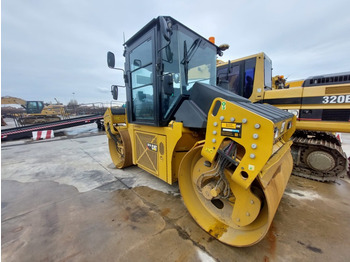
{"x": 103, "y": 89}
{"x": 54, "y": 48}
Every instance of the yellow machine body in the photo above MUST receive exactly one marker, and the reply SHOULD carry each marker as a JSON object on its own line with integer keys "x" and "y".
{"x": 175, "y": 153}
{"x": 243, "y": 219}
{"x": 265, "y": 163}
{"x": 294, "y": 83}
{"x": 231, "y": 158}
{"x": 328, "y": 94}
{"x": 321, "y": 104}
{"x": 36, "y": 111}
{"x": 324, "y": 95}
{"x": 157, "y": 150}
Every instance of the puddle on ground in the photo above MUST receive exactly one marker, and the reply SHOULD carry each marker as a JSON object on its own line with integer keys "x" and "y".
{"x": 47, "y": 221}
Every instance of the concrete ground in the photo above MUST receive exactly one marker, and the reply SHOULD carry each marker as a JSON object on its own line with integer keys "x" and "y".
{"x": 63, "y": 200}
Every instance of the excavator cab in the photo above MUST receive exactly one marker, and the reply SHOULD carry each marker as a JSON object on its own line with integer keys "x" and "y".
{"x": 231, "y": 157}
{"x": 34, "y": 107}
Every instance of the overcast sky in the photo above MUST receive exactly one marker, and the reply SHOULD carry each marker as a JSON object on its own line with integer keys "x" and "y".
{"x": 57, "y": 48}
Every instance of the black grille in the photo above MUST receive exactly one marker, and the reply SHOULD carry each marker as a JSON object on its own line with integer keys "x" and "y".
{"x": 336, "y": 115}
{"x": 330, "y": 79}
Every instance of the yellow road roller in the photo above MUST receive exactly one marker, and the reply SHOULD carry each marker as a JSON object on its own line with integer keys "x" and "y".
{"x": 231, "y": 157}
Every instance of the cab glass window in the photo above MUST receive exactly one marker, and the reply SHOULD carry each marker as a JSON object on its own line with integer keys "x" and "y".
{"x": 196, "y": 61}
{"x": 142, "y": 81}
{"x": 268, "y": 72}
{"x": 228, "y": 78}
{"x": 141, "y": 55}
{"x": 249, "y": 77}
{"x": 188, "y": 59}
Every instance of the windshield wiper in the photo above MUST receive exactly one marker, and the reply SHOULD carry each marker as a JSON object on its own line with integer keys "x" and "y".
{"x": 188, "y": 54}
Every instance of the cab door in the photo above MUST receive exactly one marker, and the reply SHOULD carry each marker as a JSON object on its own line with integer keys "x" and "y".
{"x": 142, "y": 77}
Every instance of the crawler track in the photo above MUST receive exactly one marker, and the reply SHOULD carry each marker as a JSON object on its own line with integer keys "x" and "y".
{"x": 318, "y": 156}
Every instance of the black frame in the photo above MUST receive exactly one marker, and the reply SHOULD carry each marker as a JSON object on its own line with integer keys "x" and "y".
{"x": 242, "y": 70}
{"x": 152, "y": 29}
{"x": 149, "y": 33}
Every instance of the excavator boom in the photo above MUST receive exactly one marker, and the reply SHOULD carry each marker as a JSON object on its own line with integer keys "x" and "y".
{"x": 7, "y": 100}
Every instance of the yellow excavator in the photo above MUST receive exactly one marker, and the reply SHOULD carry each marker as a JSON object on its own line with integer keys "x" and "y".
{"x": 230, "y": 157}
{"x": 321, "y": 104}
{"x": 36, "y": 111}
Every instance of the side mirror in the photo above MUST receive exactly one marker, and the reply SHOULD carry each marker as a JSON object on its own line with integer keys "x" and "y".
{"x": 165, "y": 28}
{"x": 168, "y": 87}
{"x": 114, "y": 91}
{"x": 110, "y": 60}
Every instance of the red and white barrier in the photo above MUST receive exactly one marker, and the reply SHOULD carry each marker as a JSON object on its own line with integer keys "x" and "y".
{"x": 45, "y": 134}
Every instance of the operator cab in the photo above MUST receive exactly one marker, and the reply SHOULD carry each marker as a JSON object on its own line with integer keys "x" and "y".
{"x": 34, "y": 107}
{"x": 241, "y": 75}
{"x": 163, "y": 62}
